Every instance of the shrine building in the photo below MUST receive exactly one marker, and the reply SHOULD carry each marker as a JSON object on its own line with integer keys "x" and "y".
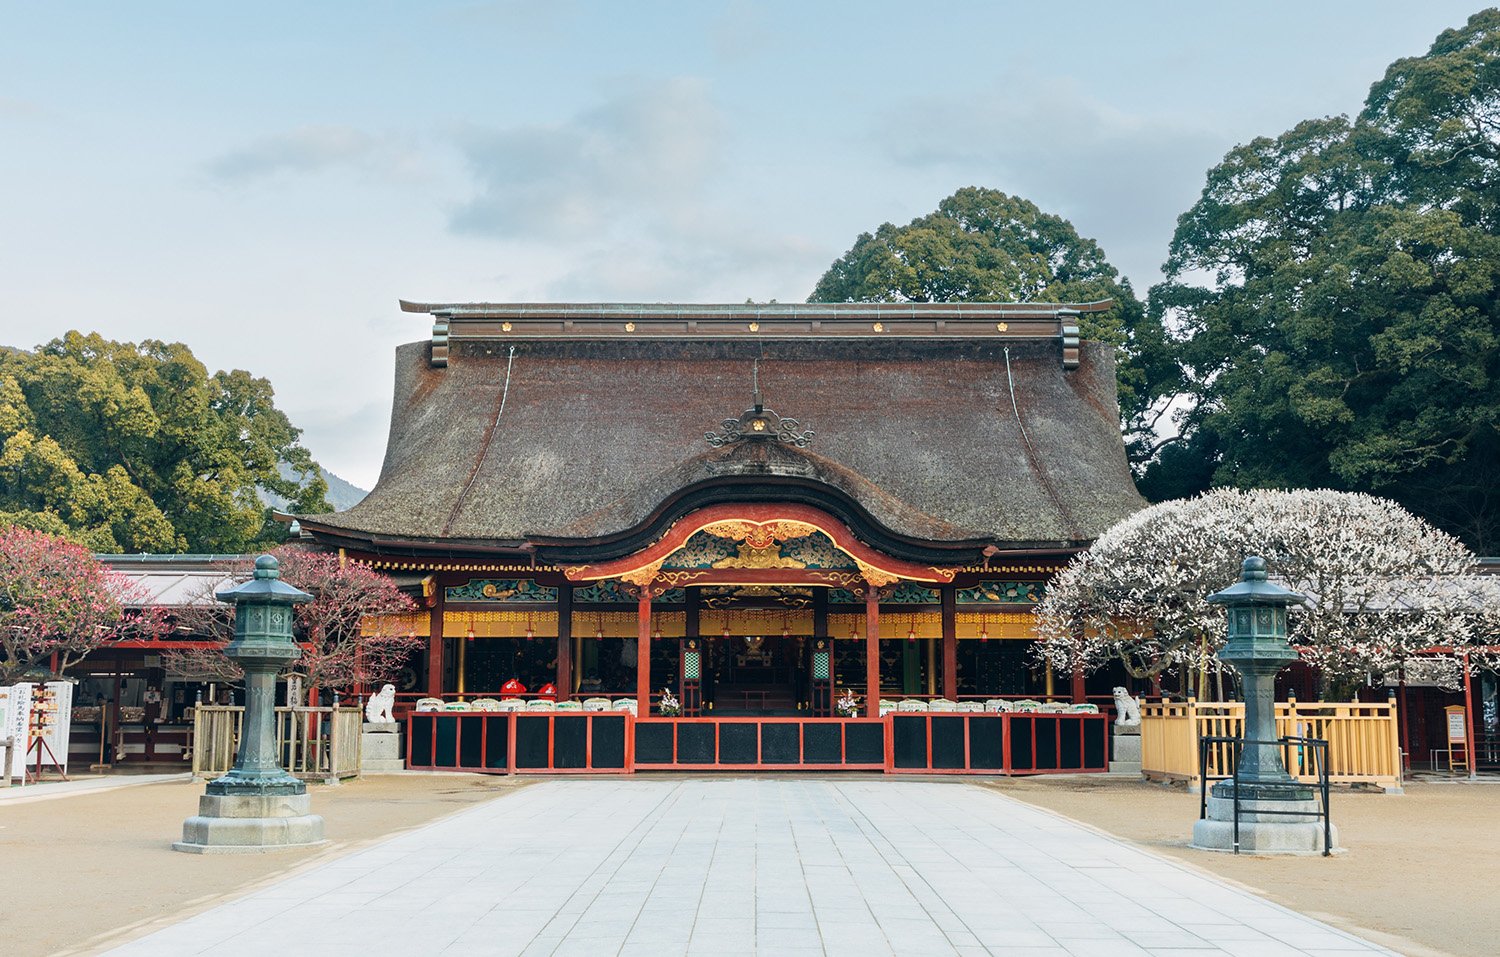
{"x": 756, "y": 508}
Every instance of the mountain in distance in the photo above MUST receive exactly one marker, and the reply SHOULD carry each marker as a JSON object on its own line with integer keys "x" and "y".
{"x": 341, "y": 494}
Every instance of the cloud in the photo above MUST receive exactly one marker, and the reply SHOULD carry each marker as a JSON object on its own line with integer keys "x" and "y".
{"x": 641, "y": 157}
{"x": 307, "y": 149}
{"x": 1121, "y": 178}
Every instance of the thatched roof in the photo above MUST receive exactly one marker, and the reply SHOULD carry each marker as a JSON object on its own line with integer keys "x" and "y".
{"x": 916, "y": 441}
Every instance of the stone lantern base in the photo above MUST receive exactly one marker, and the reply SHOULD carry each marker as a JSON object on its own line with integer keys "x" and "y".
{"x": 251, "y": 824}
{"x": 1263, "y": 833}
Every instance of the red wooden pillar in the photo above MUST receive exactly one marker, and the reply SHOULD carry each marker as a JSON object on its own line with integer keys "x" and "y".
{"x": 1080, "y": 693}
{"x": 872, "y": 651}
{"x": 950, "y": 642}
{"x": 435, "y": 643}
{"x": 643, "y": 655}
{"x": 564, "y": 680}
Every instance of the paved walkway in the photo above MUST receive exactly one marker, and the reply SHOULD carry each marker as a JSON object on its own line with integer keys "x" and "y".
{"x": 832, "y": 866}
{"x": 47, "y": 790}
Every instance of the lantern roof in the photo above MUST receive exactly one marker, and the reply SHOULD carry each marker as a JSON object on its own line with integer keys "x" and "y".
{"x": 1254, "y": 588}
{"x": 265, "y": 587}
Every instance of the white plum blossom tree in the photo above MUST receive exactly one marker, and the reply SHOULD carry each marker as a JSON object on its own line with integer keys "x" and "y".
{"x": 1382, "y": 584}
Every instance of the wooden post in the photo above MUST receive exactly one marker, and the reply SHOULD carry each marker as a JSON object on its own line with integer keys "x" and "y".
{"x": 643, "y": 654}
{"x": 872, "y": 651}
{"x": 1405, "y": 728}
{"x": 1469, "y": 720}
{"x": 949, "y": 595}
{"x": 1080, "y": 692}
{"x": 435, "y": 643}
{"x": 564, "y": 680}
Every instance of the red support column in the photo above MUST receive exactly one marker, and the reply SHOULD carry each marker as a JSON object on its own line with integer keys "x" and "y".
{"x": 435, "y": 644}
{"x": 1080, "y": 693}
{"x": 950, "y": 642}
{"x": 872, "y": 651}
{"x": 643, "y": 655}
{"x": 564, "y": 680}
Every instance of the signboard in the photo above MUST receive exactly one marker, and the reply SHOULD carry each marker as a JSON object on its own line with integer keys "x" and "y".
{"x": 15, "y": 722}
{"x": 1457, "y": 729}
{"x": 52, "y": 721}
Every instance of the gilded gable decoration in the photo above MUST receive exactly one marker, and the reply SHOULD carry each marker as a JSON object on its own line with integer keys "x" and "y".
{"x": 500, "y": 589}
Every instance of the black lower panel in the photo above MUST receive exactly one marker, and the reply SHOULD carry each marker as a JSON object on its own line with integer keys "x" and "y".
{"x": 947, "y": 741}
{"x": 737, "y": 744}
{"x": 1046, "y": 744}
{"x": 1022, "y": 756}
{"x": 570, "y": 741}
{"x": 909, "y": 733}
{"x": 419, "y": 733}
{"x": 531, "y": 741}
{"x": 822, "y": 743}
{"x": 496, "y": 744}
{"x": 864, "y": 744}
{"x": 445, "y": 754}
{"x": 1095, "y": 744}
{"x": 609, "y": 741}
{"x": 695, "y": 743}
{"x": 1069, "y": 743}
{"x": 780, "y": 743}
{"x": 986, "y": 743}
{"x": 653, "y": 744}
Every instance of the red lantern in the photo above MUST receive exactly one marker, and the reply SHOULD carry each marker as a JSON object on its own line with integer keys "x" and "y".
{"x": 547, "y": 692}
{"x": 512, "y": 689}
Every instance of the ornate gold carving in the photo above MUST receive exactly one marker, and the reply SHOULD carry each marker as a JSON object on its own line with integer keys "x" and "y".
{"x": 876, "y": 576}
{"x": 643, "y": 576}
{"x": 760, "y": 534}
{"x": 676, "y": 579}
{"x": 752, "y": 557}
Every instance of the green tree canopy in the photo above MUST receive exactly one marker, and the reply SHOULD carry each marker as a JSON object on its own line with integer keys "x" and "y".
{"x": 981, "y": 245}
{"x": 126, "y": 447}
{"x": 1334, "y": 295}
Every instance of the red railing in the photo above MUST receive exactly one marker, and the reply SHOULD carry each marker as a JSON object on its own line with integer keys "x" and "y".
{"x": 616, "y": 742}
{"x": 1004, "y": 742}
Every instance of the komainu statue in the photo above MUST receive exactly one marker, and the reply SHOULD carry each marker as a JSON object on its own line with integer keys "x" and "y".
{"x": 1127, "y": 710}
{"x": 378, "y": 708}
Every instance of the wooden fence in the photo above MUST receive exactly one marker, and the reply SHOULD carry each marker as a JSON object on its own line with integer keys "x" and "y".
{"x": 314, "y": 743}
{"x": 1363, "y": 739}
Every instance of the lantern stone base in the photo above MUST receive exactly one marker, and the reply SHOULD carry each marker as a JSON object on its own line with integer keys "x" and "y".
{"x": 1263, "y": 833}
{"x": 1125, "y": 752}
{"x": 251, "y": 824}
{"x": 380, "y": 748}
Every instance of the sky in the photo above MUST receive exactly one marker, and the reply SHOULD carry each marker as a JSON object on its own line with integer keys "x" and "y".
{"x": 264, "y": 181}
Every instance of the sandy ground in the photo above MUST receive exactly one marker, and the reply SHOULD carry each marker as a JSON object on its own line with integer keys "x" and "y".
{"x": 1420, "y": 875}
{"x": 96, "y": 869}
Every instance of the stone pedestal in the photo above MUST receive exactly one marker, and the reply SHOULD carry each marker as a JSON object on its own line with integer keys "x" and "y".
{"x": 1125, "y": 752}
{"x": 380, "y": 748}
{"x": 1262, "y": 833}
{"x": 251, "y": 824}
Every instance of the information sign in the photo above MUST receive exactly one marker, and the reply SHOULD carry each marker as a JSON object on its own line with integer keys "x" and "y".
{"x": 15, "y": 705}
{"x": 1457, "y": 729}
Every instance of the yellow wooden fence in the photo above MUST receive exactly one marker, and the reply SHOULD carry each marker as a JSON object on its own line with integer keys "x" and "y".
{"x": 1363, "y": 739}
{"x": 313, "y": 742}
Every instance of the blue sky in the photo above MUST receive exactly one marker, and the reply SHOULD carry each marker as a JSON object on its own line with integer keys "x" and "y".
{"x": 264, "y": 182}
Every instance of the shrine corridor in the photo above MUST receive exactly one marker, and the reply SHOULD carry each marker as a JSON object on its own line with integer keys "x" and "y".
{"x": 725, "y": 866}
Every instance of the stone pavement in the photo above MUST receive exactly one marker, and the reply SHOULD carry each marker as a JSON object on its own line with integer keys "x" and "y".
{"x": 726, "y": 866}
{"x": 47, "y": 790}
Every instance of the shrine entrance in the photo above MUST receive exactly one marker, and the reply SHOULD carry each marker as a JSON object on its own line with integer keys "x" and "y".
{"x": 755, "y": 675}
